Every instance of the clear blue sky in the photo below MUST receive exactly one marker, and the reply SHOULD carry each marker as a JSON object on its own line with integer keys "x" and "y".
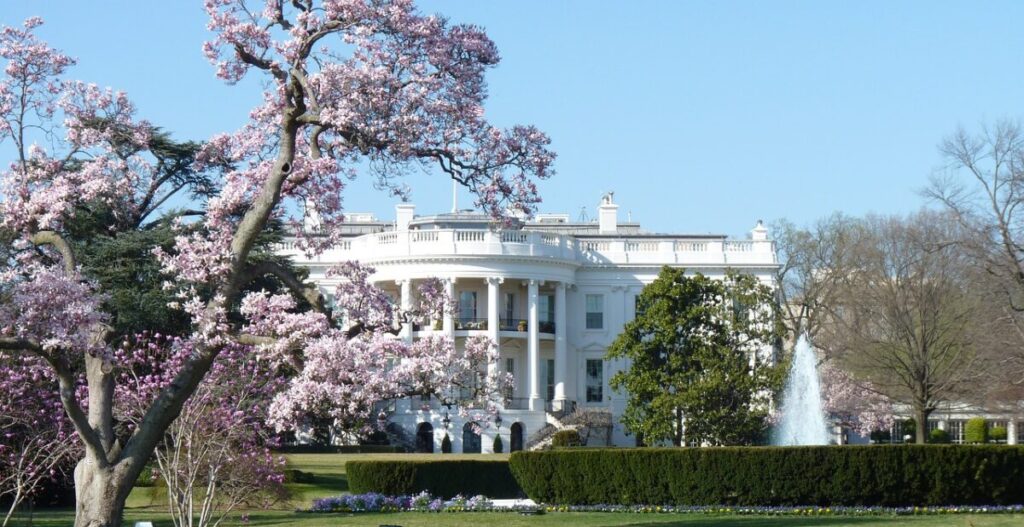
{"x": 701, "y": 116}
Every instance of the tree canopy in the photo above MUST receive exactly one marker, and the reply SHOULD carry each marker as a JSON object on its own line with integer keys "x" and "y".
{"x": 699, "y": 354}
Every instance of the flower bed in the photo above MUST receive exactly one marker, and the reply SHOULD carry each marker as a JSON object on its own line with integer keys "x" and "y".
{"x": 424, "y": 502}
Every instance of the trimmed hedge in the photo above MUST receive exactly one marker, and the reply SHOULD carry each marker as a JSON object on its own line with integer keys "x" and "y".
{"x": 938, "y": 436}
{"x": 976, "y": 431}
{"x": 444, "y": 478}
{"x": 897, "y": 475}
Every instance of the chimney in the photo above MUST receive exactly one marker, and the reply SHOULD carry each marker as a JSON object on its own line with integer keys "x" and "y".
{"x": 759, "y": 233}
{"x": 608, "y": 215}
{"x": 404, "y": 213}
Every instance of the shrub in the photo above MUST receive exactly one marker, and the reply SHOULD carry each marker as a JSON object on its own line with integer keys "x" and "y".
{"x": 446, "y": 445}
{"x": 445, "y": 478}
{"x": 775, "y": 476}
{"x": 997, "y": 434}
{"x": 498, "y": 446}
{"x": 564, "y": 438}
{"x": 976, "y": 431}
{"x": 292, "y": 475}
{"x": 938, "y": 436}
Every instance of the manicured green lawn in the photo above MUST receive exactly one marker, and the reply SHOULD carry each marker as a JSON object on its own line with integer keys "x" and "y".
{"x": 480, "y": 519}
{"x": 330, "y": 480}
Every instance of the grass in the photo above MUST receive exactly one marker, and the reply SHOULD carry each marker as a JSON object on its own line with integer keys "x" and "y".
{"x": 148, "y": 504}
{"x": 477, "y": 519}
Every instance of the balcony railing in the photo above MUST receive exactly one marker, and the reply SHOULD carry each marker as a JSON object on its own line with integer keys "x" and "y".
{"x": 519, "y": 324}
{"x": 587, "y": 251}
{"x": 464, "y": 324}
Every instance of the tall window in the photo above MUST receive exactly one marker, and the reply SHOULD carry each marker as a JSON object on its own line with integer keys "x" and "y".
{"x": 546, "y": 308}
{"x": 956, "y": 431}
{"x": 549, "y": 378}
{"x": 467, "y": 305}
{"x": 595, "y": 311}
{"x": 510, "y": 368}
{"x": 510, "y": 306}
{"x": 546, "y": 313}
{"x": 1020, "y": 432}
{"x": 595, "y": 380}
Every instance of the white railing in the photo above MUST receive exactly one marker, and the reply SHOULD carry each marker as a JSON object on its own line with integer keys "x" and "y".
{"x": 604, "y": 251}
{"x": 469, "y": 236}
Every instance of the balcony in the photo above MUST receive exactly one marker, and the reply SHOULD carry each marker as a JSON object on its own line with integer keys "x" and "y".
{"x": 584, "y": 251}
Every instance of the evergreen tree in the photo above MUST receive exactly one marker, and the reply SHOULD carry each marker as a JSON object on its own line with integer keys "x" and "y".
{"x": 699, "y": 369}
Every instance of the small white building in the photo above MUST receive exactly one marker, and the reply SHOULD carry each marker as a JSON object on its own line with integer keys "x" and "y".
{"x": 552, "y": 293}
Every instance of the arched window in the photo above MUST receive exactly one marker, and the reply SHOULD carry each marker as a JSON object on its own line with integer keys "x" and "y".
{"x": 425, "y": 438}
{"x": 471, "y": 438}
{"x": 516, "y": 437}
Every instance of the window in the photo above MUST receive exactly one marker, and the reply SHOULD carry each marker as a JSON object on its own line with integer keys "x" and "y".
{"x": 467, "y": 305}
{"x": 595, "y": 311}
{"x": 956, "y": 431}
{"x": 510, "y": 306}
{"x": 549, "y": 377}
{"x": 637, "y": 307}
{"x": 1020, "y": 432}
{"x": 510, "y": 368}
{"x": 546, "y": 311}
{"x": 595, "y": 380}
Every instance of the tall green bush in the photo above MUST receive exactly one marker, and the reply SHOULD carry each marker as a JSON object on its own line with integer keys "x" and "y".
{"x": 445, "y": 478}
{"x": 938, "y": 436}
{"x": 499, "y": 447}
{"x": 976, "y": 431}
{"x": 897, "y": 475}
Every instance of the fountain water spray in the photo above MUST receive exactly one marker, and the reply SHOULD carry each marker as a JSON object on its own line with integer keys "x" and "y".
{"x": 802, "y": 420}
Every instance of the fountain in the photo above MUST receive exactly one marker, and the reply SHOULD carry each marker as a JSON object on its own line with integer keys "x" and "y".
{"x": 802, "y": 420}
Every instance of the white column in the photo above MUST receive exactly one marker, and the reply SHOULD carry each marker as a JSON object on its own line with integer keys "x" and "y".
{"x": 493, "y": 321}
{"x": 561, "y": 347}
{"x": 406, "y": 304}
{"x": 536, "y": 403}
{"x": 448, "y": 324}
{"x": 1011, "y": 432}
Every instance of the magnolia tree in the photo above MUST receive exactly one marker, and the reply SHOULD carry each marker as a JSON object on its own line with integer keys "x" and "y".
{"x": 854, "y": 404}
{"x": 216, "y": 455}
{"x": 351, "y": 86}
{"x": 36, "y": 438}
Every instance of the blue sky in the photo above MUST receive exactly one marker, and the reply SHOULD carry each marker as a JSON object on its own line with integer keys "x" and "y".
{"x": 701, "y": 116}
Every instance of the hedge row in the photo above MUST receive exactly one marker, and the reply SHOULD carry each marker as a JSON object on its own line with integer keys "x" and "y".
{"x": 444, "y": 478}
{"x": 750, "y": 476}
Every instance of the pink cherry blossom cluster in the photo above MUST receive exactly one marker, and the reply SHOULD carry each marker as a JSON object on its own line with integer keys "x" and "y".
{"x": 274, "y": 317}
{"x": 854, "y": 403}
{"x": 58, "y": 310}
{"x": 36, "y": 438}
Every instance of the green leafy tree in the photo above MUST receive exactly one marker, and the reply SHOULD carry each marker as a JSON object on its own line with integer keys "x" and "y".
{"x": 700, "y": 369}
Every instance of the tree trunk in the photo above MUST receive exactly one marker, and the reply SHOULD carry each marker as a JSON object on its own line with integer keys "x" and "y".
{"x": 99, "y": 495}
{"x": 921, "y": 425}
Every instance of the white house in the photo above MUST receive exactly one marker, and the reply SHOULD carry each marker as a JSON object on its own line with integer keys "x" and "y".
{"x": 552, "y": 293}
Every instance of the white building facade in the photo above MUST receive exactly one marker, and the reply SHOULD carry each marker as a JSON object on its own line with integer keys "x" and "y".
{"x": 551, "y": 293}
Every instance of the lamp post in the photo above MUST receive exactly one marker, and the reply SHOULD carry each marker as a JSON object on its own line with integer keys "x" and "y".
{"x": 446, "y": 420}
{"x": 497, "y": 420}
{"x": 382, "y": 419}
